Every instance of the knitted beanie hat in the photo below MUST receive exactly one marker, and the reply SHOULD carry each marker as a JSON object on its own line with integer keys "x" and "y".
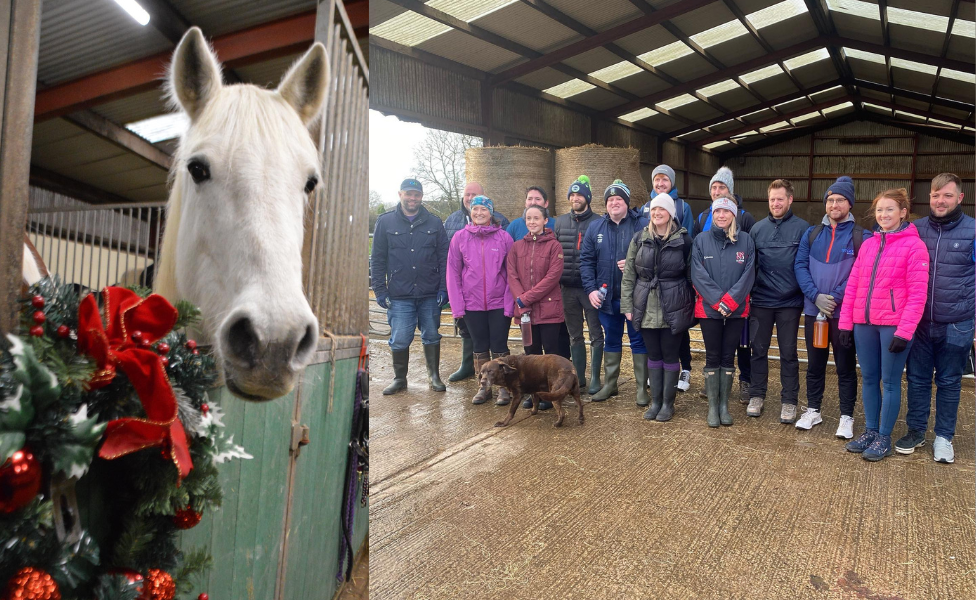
{"x": 666, "y": 202}
{"x": 483, "y": 201}
{"x": 843, "y": 186}
{"x": 663, "y": 170}
{"x": 723, "y": 175}
{"x": 581, "y": 186}
{"x": 617, "y": 188}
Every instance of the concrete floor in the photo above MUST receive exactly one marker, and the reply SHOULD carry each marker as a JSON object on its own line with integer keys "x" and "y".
{"x": 623, "y": 508}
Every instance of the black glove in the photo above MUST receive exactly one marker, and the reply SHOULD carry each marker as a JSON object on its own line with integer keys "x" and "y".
{"x": 897, "y": 345}
{"x": 845, "y": 338}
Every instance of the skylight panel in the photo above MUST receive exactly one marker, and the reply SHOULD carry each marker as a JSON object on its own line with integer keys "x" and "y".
{"x": 570, "y": 88}
{"x": 868, "y": 56}
{"x": 774, "y": 126}
{"x": 805, "y": 59}
{"x": 964, "y": 28}
{"x": 469, "y": 10}
{"x": 837, "y": 107}
{"x": 664, "y": 54}
{"x": 618, "y": 71}
{"x": 875, "y": 106}
{"x": 639, "y": 114}
{"x": 690, "y": 133}
{"x": 163, "y": 127}
{"x": 931, "y": 120}
{"x": 914, "y": 66}
{"x": 960, "y": 75}
{"x": 677, "y": 101}
{"x": 920, "y": 20}
{"x": 855, "y": 7}
{"x": 901, "y": 113}
{"x": 720, "y": 33}
{"x": 806, "y": 117}
{"x": 409, "y": 29}
{"x": 760, "y": 74}
{"x": 776, "y": 13}
{"x": 718, "y": 88}
{"x": 716, "y": 144}
{"x": 970, "y": 129}
{"x": 745, "y": 134}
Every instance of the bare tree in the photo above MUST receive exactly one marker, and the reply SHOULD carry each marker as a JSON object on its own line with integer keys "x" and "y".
{"x": 439, "y": 165}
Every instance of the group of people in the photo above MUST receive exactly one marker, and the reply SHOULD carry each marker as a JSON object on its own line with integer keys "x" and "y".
{"x": 902, "y": 293}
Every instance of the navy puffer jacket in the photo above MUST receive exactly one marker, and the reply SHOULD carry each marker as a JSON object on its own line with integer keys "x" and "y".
{"x": 952, "y": 277}
{"x": 604, "y": 244}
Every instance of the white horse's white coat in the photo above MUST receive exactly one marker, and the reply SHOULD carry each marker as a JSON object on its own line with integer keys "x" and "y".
{"x": 233, "y": 239}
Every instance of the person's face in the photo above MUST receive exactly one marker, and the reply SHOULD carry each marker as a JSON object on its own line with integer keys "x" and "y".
{"x": 779, "y": 202}
{"x": 719, "y": 190}
{"x": 410, "y": 201}
{"x": 578, "y": 201}
{"x": 480, "y": 215}
{"x": 534, "y": 198}
{"x": 837, "y": 207}
{"x": 888, "y": 214}
{"x": 722, "y": 217}
{"x": 470, "y": 191}
{"x": 662, "y": 184}
{"x": 945, "y": 199}
{"x": 660, "y": 217}
{"x": 535, "y": 222}
{"x": 616, "y": 207}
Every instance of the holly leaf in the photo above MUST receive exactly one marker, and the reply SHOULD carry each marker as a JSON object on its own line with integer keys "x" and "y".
{"x": 225, "y": 449}
{"x": 75, "y": 458}
{"x": 16, "y": 411}
{"x": 10, "y": 442}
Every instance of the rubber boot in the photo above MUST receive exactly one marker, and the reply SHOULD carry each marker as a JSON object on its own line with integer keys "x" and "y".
{"x": 728, "y": 378}
{"x": 578, "y": 354}
{"x": 596, "y": 365}
{"x": 640, "y": 379}
{"x": 484, "y": 393}
{"x": 504, "y": 397}
{"x": 611, "y": 361}
{"x": 670, "y": 391}
{"x": 467, "y": 361}
{"x": 656, "y": 377}
{"x": 432, "y": 352}
{"x": 712, "y": 385}
{"x": 401, "y": 358}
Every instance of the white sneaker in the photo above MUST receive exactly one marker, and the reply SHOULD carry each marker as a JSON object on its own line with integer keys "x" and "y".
{"x": 942, "y": 450}
{"x": 845, "y": 430}
{"x": 684, "y": 381}
{"x": 809, "y": 418}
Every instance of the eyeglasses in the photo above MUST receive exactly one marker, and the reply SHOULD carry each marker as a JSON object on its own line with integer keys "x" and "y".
{"x": 835, "y": 200}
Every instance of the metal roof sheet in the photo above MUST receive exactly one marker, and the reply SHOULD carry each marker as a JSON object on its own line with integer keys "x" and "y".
{"x": 911, "y": 79}
{"x": 468, "y": 50}
{"x": 217, "y": 17}
{"x": 267, "y": 74}
{"x": 593, "y": 60}
{"x": 961, "y": 48}
{"x": 133, "y": 108}
{"x": 956, "y": 90}
{"x": 815, "y": 74}
{"x": 646, "y": 40}
{"x": 858, "y": 28}
{"x": 525, "y": 25}
{"x": 381, "y": 11}
{"x": 791, "y": 31}
{"x": 597, "y": 99}
{"x": 917, "y": 40}
{"x": 642, "y": 84}
{"x": 737, "y": 99}
{"x": 932, "y": 7}
{"x": 865, "y": 69}
{"x": 544, "y": 78}
{"x": 737, "y": 51}
{"x": 598, "y": 15}
{"x": 949, "y": 112}
{"x": 687, "y": 68}
{"x": 703, "y": 19}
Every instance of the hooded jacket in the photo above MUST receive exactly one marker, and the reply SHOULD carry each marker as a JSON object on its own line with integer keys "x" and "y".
{"x": 888, "y": 283}
{"x": 477, "y": 272}
{"x": 824, "y": 266}
{"x": 722, "y": 271}
{"x": 777, "y": 241}
{"x": 409, "y": 257}
{"x": 604, "y": 244}
{"x": 743, "y": 219}
{"x": 682, "y": 210}
{"x": 952, "y": 276}
{"x": 535, "y": 264}
{"x": 570, "y": 229}
{"x": 655, "y": 285}
{"x": 517, "y": 228}
{"x": 456, "y": 221}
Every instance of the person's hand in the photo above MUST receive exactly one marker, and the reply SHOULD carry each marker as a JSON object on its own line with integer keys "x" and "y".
{"x": 620, "y": 265}
{"x": 826, "y": 304}
{"x": 845, "y": 338}
{"x": 630, "y": 316}
{"x": 595, "y": 300}
{"x": 383, "y": 302}
{"x": 724, "y": 309}
{"x": 441, "y": 298}
{"x": 897, "y": 345}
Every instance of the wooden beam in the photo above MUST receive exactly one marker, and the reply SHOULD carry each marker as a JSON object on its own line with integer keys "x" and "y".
{"x": 825, "y": 26}
{"x": 55, "y": 182}
{"x": 953, "y": 12}
{"x": 883, "y": 9}
{"x": 121, "y": 137}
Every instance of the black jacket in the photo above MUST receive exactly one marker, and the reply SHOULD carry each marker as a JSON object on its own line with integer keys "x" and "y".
{"x": 777, "y": 241}
{"x": 743, "y": 219}
{"x": 570, "y": 229}
{"x": 722, "y": 271}
{"x": 661, "y": 288}
{"x": 409, "y": 259}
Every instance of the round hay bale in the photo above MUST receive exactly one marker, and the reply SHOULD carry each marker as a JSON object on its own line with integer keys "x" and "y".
{"x": 507, "y": 171}
{"x": 602, "y": 165}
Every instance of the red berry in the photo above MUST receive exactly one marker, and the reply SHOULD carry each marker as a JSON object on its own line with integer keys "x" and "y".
{"x": 37, "y": 331}
{"x": 145, "y": 343}
{"x": 137, "y": 336}
{"x": 37, "y": 302}
{"x": 162, "y": 348}
{"x": 191, "y": 345}
{"x": 39, "y": 317}
{"x": 63, "y": 331}
{"x": 195, "y": 352}
{"x": 203, "y": 596}
{"x": 165, "y": 361}
{"x": 204, "y": 408}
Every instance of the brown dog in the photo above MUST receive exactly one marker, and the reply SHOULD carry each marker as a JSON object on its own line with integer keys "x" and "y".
{"x": 547, "y": 377}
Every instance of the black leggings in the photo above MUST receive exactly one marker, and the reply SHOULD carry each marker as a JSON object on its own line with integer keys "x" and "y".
{"x": 488, "y": 329}
{"x": 721, "y": 341}
{"x": 662, "y": 345}
{"x": 547, "y": 339}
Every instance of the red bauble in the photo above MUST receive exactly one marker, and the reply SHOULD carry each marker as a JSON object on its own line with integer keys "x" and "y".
{"x": 165, "y": 361}
{"x": 31, "y": 583}
{"x": 39, "y": 317}
{"x": 37, "y": 331}
{"x": 195, "y": 352}
{"x": 191, "y": 345}
{"x": 203, "y": 596}
{"x": 63, "y": 331}
{"x": 186, "y": 518}
{"x": 162, "y": 348}
{"x": 159, "y": 585}
{"x": 20, "y": 480}
{"x": 38, "y": 302}
{"x": 137, "y": 336}
{"x": 204, "y": 408}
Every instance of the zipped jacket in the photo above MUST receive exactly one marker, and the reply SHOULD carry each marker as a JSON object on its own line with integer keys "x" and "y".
{"x": 777, "y": 241}
{"x": 517, "y": 228}
{"x": 888, "y": 283}
{"x": 534, "y": 266}
{"x": 656, "y": 286}
{"x": 570, "y": 229}
{"x": 743, "y": 219}
{"x": 457, "y": 220}
{"x": 722, "y": 271}
{"x": 477, "y": 270}
{"x": 604, "y": 244}
{"x": 409, "y": 257}
{"x": 952, "y": 274}
{"x": 824, "y": 266}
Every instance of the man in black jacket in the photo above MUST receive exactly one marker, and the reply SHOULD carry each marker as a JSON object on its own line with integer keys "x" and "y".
{"x": 570, "y": 229}
{"x": 776, "y": 299}
{"x": 409, "y": 263}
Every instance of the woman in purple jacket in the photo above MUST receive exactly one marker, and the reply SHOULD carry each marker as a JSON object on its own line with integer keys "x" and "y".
{"x": 477, "y": 286}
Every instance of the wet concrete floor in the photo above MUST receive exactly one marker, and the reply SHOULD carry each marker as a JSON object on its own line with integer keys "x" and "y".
{"x": 623, "y": 508}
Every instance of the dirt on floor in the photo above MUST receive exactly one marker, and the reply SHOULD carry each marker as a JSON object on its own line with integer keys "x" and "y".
{"x": 623, "y": 508}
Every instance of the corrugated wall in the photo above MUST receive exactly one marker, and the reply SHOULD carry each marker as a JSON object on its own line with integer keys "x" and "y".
{"x": 537, "y": 121}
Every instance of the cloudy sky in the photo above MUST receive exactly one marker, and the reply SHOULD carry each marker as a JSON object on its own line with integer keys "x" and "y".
{"x": 391, "y": 144}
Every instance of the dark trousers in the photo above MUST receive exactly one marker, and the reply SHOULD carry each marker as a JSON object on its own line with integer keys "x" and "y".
{"x": 685, "y": 351}
{"x": 662, "y": 345}
{"x": 787, "y": 321}
{"x": 844, "y": 357}
{"x": 745, "y": 362}
{"x": 721, "y": 339}
{"x": 488, "y": 329}
{"x": 547, "y": 339}
{"x": 576, "y": 306}
{"x": 462, "y": 328}
{"x": 942, "y": 348}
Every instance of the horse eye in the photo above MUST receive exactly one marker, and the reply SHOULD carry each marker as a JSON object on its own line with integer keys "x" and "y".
{"x": 311, "y": 183}
{"x": 198, "y": 171}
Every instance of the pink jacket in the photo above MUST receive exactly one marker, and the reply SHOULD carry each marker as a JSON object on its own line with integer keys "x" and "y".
{"x": 477, "y": 273}
{"x": 888, "y": 283}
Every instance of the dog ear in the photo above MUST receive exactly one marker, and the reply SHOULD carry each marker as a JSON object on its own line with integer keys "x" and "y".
{"x": 507, "y": 368}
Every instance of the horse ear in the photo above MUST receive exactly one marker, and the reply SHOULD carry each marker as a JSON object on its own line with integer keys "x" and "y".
{"x": 306, "y": 83}
{"x": 194, "y": 74}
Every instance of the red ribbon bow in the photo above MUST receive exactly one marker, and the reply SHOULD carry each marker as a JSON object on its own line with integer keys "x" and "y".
{"x": 112, "y": 348}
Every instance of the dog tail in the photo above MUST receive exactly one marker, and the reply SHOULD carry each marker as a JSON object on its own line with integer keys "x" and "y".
{"x": 557, "y": 394}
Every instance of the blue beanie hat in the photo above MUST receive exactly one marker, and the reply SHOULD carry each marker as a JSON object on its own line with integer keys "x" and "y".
{"x": 483, "y": 201}
{"x": 581, "y": 186}
{"x": 843, "y": 186}
{"x": 617, "y": 188}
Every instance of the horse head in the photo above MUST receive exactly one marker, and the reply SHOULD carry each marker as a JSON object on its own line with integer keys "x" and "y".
{"x": 241, "y": 179}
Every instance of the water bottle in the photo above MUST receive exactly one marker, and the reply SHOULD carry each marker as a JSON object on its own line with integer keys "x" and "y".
{"x": 603, "y": 293}
{"x": 744, "y": 338}
{"x": 821, "y": 331}
{"x": 526, "y": 330}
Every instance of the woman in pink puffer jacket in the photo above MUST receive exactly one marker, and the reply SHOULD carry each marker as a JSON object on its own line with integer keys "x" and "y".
{"x": 883, "y": 304}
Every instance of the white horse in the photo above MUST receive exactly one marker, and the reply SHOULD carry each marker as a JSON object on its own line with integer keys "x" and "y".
{"x": 232, "y": 245}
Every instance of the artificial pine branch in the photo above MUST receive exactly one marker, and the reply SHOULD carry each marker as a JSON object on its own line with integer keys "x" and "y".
{"x": 194, "y": 564}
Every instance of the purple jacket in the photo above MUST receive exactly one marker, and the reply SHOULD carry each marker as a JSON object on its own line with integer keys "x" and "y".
{"x": 477, "y": 270}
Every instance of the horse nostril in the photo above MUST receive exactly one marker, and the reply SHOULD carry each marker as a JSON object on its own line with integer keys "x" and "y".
{"x": 242, "y": 342}
{"x": 307, "y": 343}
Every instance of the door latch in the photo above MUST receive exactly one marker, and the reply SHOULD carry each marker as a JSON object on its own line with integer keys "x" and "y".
{"x": 299, "y": 438}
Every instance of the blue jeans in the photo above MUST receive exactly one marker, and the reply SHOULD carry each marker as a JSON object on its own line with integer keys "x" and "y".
{"x": 613, "y": 332}
{"x": 404, "y": 315}
{"x": 880, "y": 375}
{"x": 943, "y": 348}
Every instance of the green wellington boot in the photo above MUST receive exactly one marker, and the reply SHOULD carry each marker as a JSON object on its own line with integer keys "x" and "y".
{"x": 728, "y": 378}
{"x": 611, "y": 361}
{"x": 578, "y": 354}
{"x": 401, "y": 359}
{"x": 467, "y": 362}
{"x": 656, "y": 387}
{"x": 670, "y": 391}
{"x": 712, "y": 385}
{"x": 640, "y": 379}
{"x": 432, "y": 352}
{"x": 596, "y": 365}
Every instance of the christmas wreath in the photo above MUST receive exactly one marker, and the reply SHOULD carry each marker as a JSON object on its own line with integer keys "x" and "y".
{"x": 108, "y": 394}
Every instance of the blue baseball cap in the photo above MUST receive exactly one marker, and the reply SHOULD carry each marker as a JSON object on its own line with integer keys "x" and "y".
{"x": 411, "y": 184}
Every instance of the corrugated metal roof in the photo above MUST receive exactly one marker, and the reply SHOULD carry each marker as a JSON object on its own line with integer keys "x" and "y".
{"x": 642, "y": 84}
{"x": 217, "y": 17}
{"x": 544, "y": 78}
{"x": 526, "y": 26}
{"x": 593, "y": 60}
{"x": 858, "y": 28}
{"x": 133, "y": 108}
{"x": 467, "y": 50}
{"x": 704, "y": 18}
{"x": 916, "y": 40}
{"x": 598, "y": 15}
{"x": 268, "y": 73}
{"x": 381, "y": 11}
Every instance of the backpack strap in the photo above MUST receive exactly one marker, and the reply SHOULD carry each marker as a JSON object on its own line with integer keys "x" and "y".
{"x": 813, "y": 234}
{"x": 858, "y": 237}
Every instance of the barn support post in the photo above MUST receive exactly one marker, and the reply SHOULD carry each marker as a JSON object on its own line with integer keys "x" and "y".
{"x": 20, "y": 30}
{"x": 911, "y": 182}
{"x": 813, "y": 139}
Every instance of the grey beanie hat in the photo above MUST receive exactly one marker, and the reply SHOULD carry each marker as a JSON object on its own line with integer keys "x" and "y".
{"x": 663, "y": 170}
{"x": 723, "y": 175}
